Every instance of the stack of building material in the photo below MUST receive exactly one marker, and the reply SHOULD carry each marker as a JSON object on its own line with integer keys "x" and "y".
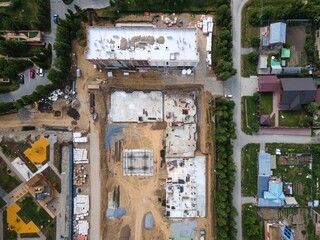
{"x": 80, "y": 155}
{"x": 78, "y": 138}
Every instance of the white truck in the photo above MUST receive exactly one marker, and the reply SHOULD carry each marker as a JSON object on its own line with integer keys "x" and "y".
{"x": 202, "y": 234}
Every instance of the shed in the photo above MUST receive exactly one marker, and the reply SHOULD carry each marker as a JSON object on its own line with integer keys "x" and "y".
{"x": 263, "y": 61}
{"x": 290, "y": 202}
{"x": 285, "y": 52}
{"x": 276, "y": 67}
{"x": 265, "y": 120}
{"x": 273, "y": 162}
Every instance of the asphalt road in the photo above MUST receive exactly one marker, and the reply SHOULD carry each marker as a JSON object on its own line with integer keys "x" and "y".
{"x": 233, "y": 86}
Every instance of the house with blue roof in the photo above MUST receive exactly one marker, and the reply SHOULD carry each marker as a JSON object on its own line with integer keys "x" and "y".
{"x": 270, "y": 190}
{"x": 278, "y": 33}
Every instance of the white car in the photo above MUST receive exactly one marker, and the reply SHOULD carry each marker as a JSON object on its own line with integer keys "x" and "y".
{"x": 41, "y": 72}
{"x": 228, "y": 96}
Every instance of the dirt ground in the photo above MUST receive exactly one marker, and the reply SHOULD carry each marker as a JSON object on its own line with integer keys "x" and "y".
{"x": 139, "y": 195}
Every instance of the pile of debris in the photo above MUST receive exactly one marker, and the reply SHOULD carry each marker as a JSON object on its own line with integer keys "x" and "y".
{"x": 80, "y": 175}
{"x": 68, "y": 94}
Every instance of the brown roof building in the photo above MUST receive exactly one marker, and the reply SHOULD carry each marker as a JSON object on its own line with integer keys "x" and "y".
{"x": 268, "y": 83}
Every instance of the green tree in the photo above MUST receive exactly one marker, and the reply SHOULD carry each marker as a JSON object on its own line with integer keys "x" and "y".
{"x": 255, "y": 42}
{"x": 253, "y": 57}
{"x": 312, "y": 107}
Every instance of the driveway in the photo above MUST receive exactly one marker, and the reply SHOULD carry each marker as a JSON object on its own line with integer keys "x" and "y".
{"x": 57, "y": 7}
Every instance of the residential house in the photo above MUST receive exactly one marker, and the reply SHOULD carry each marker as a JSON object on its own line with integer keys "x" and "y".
{"x": 277, "y": 33}
{"x": 296, "y": 92}
{"x": 273, "y": 35}
{"x": 276, "y": 230}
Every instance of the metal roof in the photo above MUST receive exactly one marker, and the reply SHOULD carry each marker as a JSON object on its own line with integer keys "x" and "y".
{"x": 278, "y": 33}
{"x": 264, "y": 164}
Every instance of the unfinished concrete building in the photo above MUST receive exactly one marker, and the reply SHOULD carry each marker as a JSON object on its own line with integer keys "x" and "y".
{"x": 140, "y": 47}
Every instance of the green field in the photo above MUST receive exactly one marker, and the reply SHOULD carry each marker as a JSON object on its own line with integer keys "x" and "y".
{"x": 252, "y": 224}
{"x": 7, "y": 182}
{"x": 249, "y": 170}
{"x": 141, "y": 6}
{"x": 31, "y": 211}
{"x": 293, "y": 118}
{"x": 249, "y": 114}
{"x": 266, "y": 104}
{"x": 2, "y": 202}
{"x": 24, "y": 12}
{"x": 7, "y": 234}
{"x": 247, "y": 69}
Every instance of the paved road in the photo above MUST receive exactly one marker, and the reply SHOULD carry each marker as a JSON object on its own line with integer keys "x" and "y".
{"x": 95, "y": 188}
{"x": 25, "y": 89}
{"x": 233, "y": 85}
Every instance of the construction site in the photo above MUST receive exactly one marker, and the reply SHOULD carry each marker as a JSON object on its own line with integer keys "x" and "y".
{"x": 141, "y": 170}
{"x": 157, "y": 162}
{"x": 157, "y": 178}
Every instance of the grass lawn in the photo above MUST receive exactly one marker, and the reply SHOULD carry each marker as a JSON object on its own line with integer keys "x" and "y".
{"x": 296, "y": 174}
{"x": 247, "y": 69}
{"x": 9, "y": 87}
{"x": 249, "y": 169}
{"x": 57, "y": 156}
{"x": 266, "y": 103}
{"x": 288, "y": 148}
{"x": 26, "y": 12}
{"x": 2, "y": 202}
{"x": 52, "y": 178}
{"x": 248, "y": 114}
{"x": 247, "y": 30}
{"x": 31, "y": 211}
{"x": 293, "y": 118}
{"x": 50, "y": 231}
{"x": 7, "y": 182}
{"x": 252, "y": 224}
{"x": 140, "y": 6}
{"x": 7, "y": 234}
{"x": 29, "y": 235}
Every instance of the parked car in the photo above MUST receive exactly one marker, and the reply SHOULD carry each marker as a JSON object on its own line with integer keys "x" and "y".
{"x": 55, "y": 18}
{"x": 41, "y": 72}
{"x": 21, "y": 78}
{"x": 228, "y": 96}
{"x": 32, "y": 73}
